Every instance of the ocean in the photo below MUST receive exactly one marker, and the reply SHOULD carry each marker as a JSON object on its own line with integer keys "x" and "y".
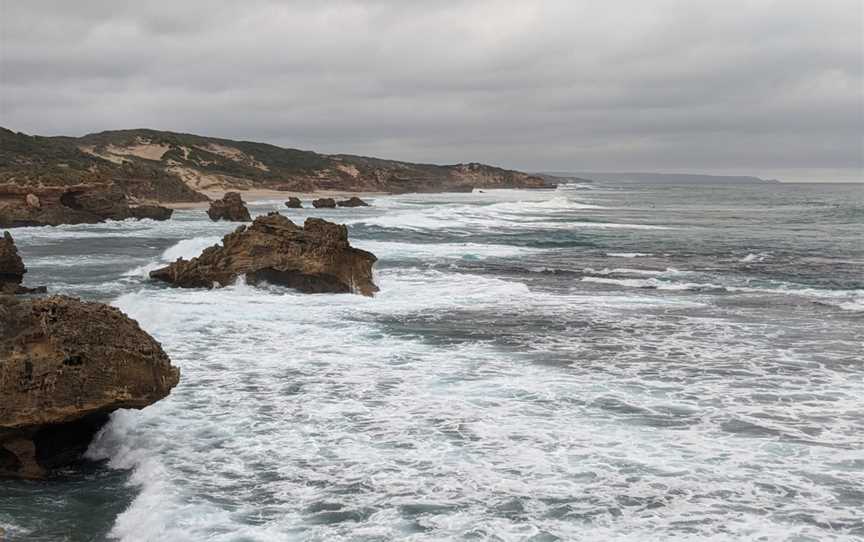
{"x": 597, "y": 362}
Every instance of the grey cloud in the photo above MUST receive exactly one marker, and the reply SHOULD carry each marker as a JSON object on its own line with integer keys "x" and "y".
{"x": 665, "y": 85}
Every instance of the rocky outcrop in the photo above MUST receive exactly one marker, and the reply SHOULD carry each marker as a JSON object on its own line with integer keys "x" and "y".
{"x": 65, "y": 365}
{"x": 230, "y": 207}
{"x": 153, "y": 212}
{"x": 314, "y": 258}
{"x": 12, "y": 269}
{"x": 353, "y": 201}
{"x": 294, "y": 203}
{"x": 73, "y": 204}
{"x": 324, "y": 203}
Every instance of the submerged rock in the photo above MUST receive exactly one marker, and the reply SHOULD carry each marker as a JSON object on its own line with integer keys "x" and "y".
{"x": 230, "y": 207}
{"x": 315, "y": 258}
{"x": 12, "y": 269}
{"x": 294, "y": 203}
{"x": 65, "y": 365}
{"x": 352, "y": 202}
{"x": 324, "y": 203}
{"x": 69, "y": 204}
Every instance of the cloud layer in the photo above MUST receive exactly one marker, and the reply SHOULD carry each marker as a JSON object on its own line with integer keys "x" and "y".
{"x": 739, "y": 86}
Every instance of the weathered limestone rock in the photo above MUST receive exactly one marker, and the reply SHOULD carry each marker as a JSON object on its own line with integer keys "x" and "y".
{"x": 315, "y": 258}
{"x": 65, "y": 365}
{"x": 294, "y": 203}
{"x": 230, "y": 207}
{"x": 324, "y": 203}
{"x": 352, "y": 202}
{"x": 67, "y": 204}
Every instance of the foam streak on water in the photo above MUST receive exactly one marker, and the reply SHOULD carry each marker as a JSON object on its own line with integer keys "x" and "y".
{"x": 519, "y": 377}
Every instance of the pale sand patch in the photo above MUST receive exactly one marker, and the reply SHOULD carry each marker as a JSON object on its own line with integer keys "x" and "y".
{"x": 262, "y": 194}
{"x": 203, "y": 182}
{"x": 350, "y": 169}
{"x": 143, "y": 149}
{"x": 234, "y": 154}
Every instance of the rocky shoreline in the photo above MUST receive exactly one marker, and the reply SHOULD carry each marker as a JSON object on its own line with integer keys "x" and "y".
{"x": 122, "y": 174}
{"x": 76, "y": 204}
{"x": 66, "y": 364}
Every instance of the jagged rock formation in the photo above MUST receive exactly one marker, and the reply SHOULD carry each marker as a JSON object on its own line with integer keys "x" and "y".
{"x": 65, "y": 365}
{"x": 231, "y": 207}
{"x": 324, "y": 203}
{"x": 353, "y": 201}
{"x": 315, "y": 258}
{"x": 155, "y": 166}
{"x": 12, "y": 269}
{"x": 294, "y": 203}
{"x": 69, "y": 204}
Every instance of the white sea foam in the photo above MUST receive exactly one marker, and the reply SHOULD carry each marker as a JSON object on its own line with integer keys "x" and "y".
{"x": 756, "y": 257}
{"x": 627, "y": 254}
{"x": 305, "y": 411}
{"x": 189, "y": 248}
{"x": 849, "y": 300}
{"x": 431, "y": 251}
{"x": 460, "y": 405}
{"x": 652, "y": 283}
{"x": 12, "y": 531}
{"x": 565, "y": 214}
{"x": 669, "y": 271}
{"x": 186, "y": 249}
{"x": 567, "y": 187}
{"x": 558, "y": 203}
{"x": 467, "y": 219}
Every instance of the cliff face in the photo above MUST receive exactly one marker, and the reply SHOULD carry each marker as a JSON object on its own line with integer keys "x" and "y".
{"x": 149, "y": 165}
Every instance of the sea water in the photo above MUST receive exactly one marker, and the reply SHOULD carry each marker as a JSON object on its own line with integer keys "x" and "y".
{"x": 596, "y": 362}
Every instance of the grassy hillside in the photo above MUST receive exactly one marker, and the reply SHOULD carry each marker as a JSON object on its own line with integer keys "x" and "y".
{"x": 169, "y": 166}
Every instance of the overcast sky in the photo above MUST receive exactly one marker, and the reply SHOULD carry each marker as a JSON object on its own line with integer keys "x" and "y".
{"x": 772, "y": 88}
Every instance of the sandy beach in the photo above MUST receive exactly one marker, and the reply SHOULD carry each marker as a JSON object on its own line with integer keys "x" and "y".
{"x": 265, "y": 194}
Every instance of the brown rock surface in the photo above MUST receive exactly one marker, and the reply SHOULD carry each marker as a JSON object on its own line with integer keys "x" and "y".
{"x": 315, "y": 258}
{"x": 352, "y": 202}
{"x": 67, "y": 204}
{"x": 153, "y": 212}
{"x": 65, "y": 365}
{"x": 294, "y": 203}
{"x": 230, "y": 207}
{"x": 324, "y": 203}
{"x": 12, "y": 269}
